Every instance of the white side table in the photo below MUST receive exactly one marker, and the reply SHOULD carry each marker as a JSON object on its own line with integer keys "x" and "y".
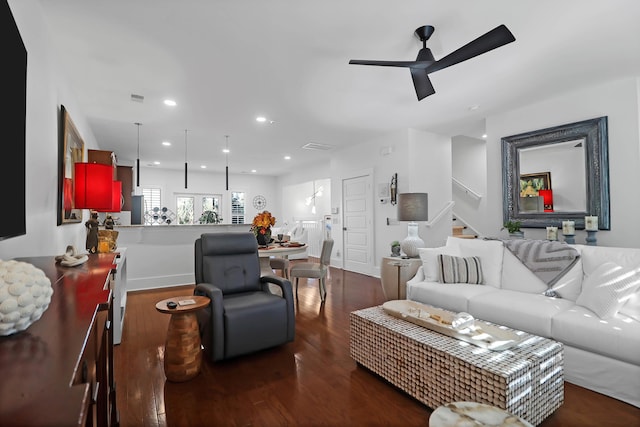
{"x": 394, "y": 274}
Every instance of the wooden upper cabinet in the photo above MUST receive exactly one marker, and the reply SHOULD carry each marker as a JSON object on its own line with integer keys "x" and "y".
{"x": 105, "y": 158}
{"x": 125, "y": 174}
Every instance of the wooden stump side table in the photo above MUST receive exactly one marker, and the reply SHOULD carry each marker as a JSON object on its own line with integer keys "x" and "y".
{"x": 182, "y": 354}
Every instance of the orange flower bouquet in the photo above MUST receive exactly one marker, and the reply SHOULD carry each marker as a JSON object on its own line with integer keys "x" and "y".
{"x": 261, "y": 226}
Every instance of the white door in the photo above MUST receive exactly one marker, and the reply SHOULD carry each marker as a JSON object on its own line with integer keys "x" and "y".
{"x": 357, "y": 200}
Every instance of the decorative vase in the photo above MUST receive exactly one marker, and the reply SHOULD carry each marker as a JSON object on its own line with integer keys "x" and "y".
{"x": 517, "y": 235}
{"x": 25, "y": 292}
{"x": 264, "y": 239}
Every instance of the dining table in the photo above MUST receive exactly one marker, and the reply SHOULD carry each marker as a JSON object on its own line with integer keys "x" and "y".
{"x": 277, "y": 250}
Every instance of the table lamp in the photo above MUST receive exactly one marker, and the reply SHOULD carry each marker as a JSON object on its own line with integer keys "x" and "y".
{"x": 96, "y": 190}
{"x": 412, "y": 207}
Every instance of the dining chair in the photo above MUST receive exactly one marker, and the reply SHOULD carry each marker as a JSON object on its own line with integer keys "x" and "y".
{"x": 315, "y": 270}
{"x": 280, "y": 263}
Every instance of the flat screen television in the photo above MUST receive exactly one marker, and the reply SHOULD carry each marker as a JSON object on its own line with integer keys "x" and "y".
{"x": 12, "y": 173}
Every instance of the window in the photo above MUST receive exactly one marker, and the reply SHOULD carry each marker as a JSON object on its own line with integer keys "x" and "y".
{"x": 184, "y": 205}
{"x": 237, "y": 207}
{"x": 151, "y": 198}
{"x": 210, "y": 213}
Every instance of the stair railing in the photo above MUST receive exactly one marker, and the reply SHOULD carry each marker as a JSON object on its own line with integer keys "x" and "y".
{"x": 447, "y": 207}
{"x": 466, "y": 189}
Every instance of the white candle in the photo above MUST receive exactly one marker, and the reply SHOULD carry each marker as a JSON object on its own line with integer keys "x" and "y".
{"x": 591, "y": 223}
{"x": 552, "y": 233}
{"x": 568, "y": 227}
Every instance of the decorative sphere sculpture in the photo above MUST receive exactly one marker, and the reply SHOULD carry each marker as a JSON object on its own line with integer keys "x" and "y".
{"x": 25, "y": 293}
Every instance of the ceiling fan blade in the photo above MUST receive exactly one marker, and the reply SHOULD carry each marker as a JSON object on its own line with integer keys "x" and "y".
{"x": 421, "y": 83}
{"x": 495, "y": 38}
{"x": 405, "y": 64}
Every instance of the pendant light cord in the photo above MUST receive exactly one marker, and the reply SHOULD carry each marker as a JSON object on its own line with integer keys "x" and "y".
{"x": 138, "y": 159}
{"x": 185, "y": 158}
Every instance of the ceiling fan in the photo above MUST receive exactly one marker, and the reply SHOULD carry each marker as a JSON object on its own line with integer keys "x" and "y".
{"x": 425, "y": 63}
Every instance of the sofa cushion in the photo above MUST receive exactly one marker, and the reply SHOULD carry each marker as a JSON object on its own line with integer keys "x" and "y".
{"x": 451, "y": 296}
{"x": 490, "y": 253}
{"x": 607, "y": 288}
{"x": 517, "y": 277}
{"x": 617, "y": 337}
{"x": 429, "y": 257}
{"x": 527, "y": 312}
{"x": 569, "y": 286}
{"x": 594, "y": 256}
{"x": 453, "y": 269}
{"x": 632, "y": 307}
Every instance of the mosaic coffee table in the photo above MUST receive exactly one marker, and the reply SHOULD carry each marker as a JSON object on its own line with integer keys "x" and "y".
{"x": 525, "y": 380}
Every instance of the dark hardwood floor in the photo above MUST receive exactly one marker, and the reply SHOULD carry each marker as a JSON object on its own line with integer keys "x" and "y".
{"x": 310, "y": 382}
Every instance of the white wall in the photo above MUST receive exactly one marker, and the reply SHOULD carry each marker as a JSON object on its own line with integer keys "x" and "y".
{"x": 171, "y": 183}
{"x": 469, "y": 166}
{"x": 619, "y": 101}
{"x": 46, "y": 91}
{"x": 422, "y": 161}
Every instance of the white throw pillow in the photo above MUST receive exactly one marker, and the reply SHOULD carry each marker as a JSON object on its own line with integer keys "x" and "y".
{"x": 490, "y": 253}
{"x": 570, "y": 284}
{"x": 608, "y": 288}
{"x": 429, "y": 257}
{"x": 632, "y": 307}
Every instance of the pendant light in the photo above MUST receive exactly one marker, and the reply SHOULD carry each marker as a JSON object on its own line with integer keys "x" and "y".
{"x": 185, "y": 158}
{"x": 138, "y": 159}
{"x": 226, "y": 151}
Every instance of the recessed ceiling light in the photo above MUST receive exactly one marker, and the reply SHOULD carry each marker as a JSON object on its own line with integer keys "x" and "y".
{"x": 170, "y": 102}
{"x": 287, "y": 157}
{"x": 203, "y": 166}
{"x": 474, "y": 107}
{"x": 261, "y": 119}
{"x": 156, "y": 162}
{"x": 166, "y": 143}
{"x": 253, "y": 171}
{"x": 484, "y": 136}
{"x": 226, "y": 150}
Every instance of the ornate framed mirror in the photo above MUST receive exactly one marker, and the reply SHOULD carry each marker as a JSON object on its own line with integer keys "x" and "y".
{"x": 555, "y": 174}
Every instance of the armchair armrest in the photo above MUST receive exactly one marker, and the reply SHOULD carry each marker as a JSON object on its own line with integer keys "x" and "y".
{"x": 211, "y": 320}
{"x": 287, "y": 294}
{"x": 284, "y": 284}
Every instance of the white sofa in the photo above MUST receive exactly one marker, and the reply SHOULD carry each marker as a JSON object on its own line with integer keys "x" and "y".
{"x": 601, "y": 353}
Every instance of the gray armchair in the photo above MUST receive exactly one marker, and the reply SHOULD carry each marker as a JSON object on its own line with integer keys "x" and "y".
{"x": 244, "y": 316}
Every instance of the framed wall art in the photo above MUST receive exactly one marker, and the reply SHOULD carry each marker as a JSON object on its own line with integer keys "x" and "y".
{"x": 70, "y": 152}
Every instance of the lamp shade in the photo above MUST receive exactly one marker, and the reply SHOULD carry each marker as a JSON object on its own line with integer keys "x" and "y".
{"x": 93, "y": 186}
{"x": 413, "y": 207}
{"x": 116, "y": 198}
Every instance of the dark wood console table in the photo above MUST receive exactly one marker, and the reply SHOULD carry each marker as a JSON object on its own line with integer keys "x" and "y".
{"x": 59, "y": 371}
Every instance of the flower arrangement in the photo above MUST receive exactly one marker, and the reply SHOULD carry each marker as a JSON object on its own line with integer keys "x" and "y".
{"x": 262, "y": 223}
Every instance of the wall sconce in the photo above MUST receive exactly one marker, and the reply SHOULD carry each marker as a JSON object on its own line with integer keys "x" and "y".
{"x": 312, "y": 199}
{"x": 393, "y": 187}
{"x": 412, "y": 207}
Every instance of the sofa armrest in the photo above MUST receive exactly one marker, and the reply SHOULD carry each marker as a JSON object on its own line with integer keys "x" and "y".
{"x": 419, "y": 277}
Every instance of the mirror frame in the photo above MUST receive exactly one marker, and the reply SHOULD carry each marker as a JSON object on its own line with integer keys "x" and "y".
{"x": 593, "y": 133}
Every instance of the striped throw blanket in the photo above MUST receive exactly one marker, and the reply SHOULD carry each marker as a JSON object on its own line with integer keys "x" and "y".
{"x": 548, "y": 260}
